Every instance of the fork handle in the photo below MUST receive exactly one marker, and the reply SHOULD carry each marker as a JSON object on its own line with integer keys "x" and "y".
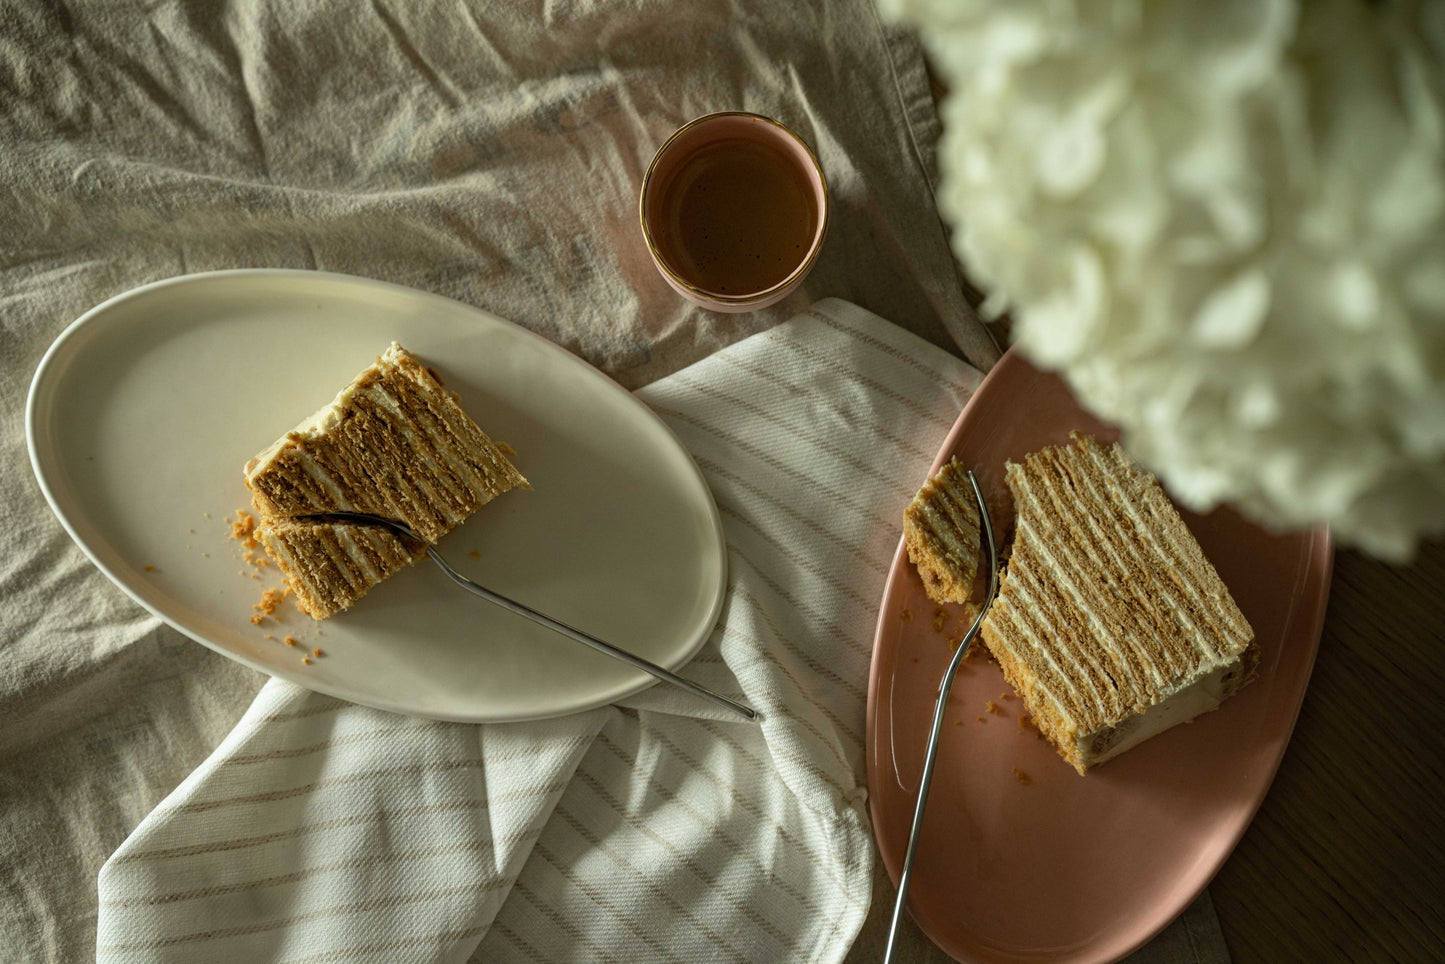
{"x": 527, "y": 612}
{"x": 930, "y": 755}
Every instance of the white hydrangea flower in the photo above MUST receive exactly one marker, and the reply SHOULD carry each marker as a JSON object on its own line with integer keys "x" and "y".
{"x": 1224, "y": 223}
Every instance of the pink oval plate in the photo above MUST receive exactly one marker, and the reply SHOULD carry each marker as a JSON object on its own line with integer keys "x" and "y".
{"x": 1020, "y": 858}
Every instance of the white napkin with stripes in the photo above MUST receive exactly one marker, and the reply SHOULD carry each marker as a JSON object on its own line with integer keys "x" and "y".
{"x": 657, "y": 830}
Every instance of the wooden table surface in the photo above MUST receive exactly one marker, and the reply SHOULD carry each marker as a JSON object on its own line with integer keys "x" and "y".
{"x": 1346, "y": 859}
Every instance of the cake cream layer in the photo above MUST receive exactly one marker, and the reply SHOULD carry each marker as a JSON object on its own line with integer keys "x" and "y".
{"x": 941, "y": 532}
{"x": 393, "y": 443}
{"x": 1110, "y": 620}
{"x": 1188, "y": 701}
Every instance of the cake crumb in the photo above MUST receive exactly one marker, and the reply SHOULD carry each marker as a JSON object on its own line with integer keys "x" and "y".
{"x": 1024, "y": 721}
{"x": 306, "y": 660}
{"x": 150, "y": 568}
{"x": 992, "y": 707}
{"x": 270, "y": 600}
{"x": 291, "y": 641}
{"x": 475, "y": 554}
{"x": 906, "y": 615}
{"x": 244, "y": 528}
{"x": 1005, "y": 696}
{"x": 939, "y": 617}
{"x": 317, "y": 653}
{"x": 1022, "y": 777}
{"x": 269, "y": 636}
{"x": 982, "y": 720}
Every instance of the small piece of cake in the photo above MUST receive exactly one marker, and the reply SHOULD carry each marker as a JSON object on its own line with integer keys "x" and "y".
{"x": 1110, "y": 623}
{"x": 940, "y": 530}
{"x": 330, "y": 565}
{"x": 393, "y": 443}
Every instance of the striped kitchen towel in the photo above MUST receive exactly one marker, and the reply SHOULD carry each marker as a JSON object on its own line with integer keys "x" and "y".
{"x": 655, "y": 830}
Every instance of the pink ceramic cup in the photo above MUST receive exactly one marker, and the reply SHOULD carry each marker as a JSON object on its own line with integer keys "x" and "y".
{"x": 685, "y": 144}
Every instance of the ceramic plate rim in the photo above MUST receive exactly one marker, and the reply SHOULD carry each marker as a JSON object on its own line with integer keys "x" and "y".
{"x": 42, "y": 460}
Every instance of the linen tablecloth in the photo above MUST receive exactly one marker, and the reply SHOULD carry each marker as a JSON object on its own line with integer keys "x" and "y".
{"x": 488, "y": 152}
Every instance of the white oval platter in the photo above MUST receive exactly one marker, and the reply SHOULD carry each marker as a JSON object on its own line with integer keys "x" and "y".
{"x": 143, "y": 412}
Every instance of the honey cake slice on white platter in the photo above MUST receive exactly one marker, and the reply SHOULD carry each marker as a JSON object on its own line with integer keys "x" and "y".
{"x": 393, "y": 443}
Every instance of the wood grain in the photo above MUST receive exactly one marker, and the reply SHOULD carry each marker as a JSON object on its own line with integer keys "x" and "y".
{"x": 1346, "y": 858}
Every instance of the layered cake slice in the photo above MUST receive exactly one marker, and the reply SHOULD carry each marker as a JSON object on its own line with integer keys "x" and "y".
{"x": 941, "y": 533}
{"x": 1110, "y": 623}
{"x": 330, "y": 565}
{"x": 393, "y": 443}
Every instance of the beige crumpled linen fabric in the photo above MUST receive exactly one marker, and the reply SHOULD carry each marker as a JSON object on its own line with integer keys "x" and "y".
{"x": 489, "y": 152}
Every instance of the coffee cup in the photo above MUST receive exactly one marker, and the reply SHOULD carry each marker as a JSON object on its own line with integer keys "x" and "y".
{"x": 734, "y": 208}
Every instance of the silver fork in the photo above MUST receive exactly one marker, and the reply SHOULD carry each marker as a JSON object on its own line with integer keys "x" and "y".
{"x": 930, "y": 756}
{"x": 527, "y": 612}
